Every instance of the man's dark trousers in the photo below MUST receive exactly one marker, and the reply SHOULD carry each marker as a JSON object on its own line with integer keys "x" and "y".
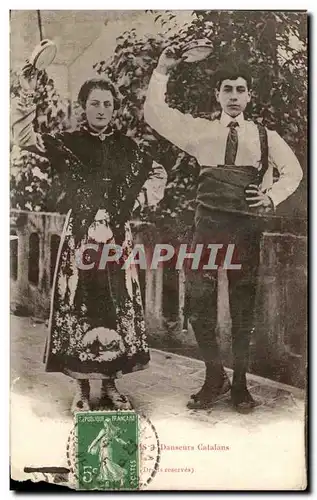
{"x": 202, "y": 287}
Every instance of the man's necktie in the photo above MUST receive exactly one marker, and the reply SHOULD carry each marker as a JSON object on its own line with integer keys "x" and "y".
{"x": 232, "y": 144}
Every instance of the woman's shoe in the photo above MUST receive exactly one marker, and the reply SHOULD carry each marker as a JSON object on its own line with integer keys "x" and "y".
{"x": 81, "y": 399}
{"x": 111, "y": 397}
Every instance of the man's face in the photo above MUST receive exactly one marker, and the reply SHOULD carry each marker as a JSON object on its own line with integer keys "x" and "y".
{"x": 233, "y": 96}
{"x": 99, "y": 108}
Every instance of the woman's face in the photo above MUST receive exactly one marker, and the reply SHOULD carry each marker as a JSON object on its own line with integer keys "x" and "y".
{"x": 99, "y": 108}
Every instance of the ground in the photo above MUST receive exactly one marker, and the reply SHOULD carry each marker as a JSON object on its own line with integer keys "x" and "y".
{"x": 262, "y": 450}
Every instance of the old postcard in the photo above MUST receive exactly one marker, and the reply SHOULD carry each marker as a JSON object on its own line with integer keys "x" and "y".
{"x": 158, "y": 250}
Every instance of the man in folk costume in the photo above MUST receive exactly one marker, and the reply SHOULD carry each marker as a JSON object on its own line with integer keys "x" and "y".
{"x": 235, "y": 190}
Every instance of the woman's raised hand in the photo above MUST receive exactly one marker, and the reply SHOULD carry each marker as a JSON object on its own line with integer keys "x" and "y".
{"x": 28, "y": 78}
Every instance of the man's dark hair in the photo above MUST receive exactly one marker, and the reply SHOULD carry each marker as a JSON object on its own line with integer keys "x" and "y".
{"x": 96, "y": 83}
{"x": 233, "y": 72}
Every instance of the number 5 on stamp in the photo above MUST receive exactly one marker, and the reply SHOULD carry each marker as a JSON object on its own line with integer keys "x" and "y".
{"x": 107, "y": 450}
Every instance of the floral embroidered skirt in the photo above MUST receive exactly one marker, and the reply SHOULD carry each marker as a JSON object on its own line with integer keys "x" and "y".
{"x": 96, "y": 327}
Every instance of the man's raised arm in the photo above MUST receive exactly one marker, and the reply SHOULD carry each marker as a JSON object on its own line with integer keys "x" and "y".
{"x": 182, "y": 130}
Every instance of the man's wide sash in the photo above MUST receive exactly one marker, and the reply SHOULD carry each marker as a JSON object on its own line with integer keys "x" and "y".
{"x": 222, "y": 188}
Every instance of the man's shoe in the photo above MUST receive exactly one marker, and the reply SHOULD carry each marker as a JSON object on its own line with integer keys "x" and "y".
{"x": 208, "y": 395}
{"x": 242, "y": 401}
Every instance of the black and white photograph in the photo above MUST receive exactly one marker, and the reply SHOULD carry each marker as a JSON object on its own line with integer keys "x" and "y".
{"x": 158, "y": 249}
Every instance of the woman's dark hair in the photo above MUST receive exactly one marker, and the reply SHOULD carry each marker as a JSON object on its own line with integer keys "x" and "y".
{"x": 233, "y": 72}
{"x": 97, "y": 83}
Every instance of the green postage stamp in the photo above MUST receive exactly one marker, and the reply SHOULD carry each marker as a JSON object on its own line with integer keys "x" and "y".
{"x": 107, "y": 450}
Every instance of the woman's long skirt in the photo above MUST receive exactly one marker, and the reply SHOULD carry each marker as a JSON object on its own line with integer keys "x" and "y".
{"x": 96, "y": 327}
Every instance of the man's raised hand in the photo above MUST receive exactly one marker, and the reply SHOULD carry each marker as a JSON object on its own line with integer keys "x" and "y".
{"x": 169, "y": 58}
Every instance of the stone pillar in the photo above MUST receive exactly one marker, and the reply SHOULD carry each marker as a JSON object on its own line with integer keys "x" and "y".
{"x": 149, "y": 293}
{"x": 223, "y": 315}
{"x": 182, "y": 296}
{"x": 158, "y": 309}
{"x": 23, "y": 266}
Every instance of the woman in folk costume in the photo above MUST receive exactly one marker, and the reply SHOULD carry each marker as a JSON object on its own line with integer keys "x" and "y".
{"x": 96, "y": 327}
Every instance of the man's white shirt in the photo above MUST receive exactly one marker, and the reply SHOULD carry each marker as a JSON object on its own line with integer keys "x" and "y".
{"x": 206, "y": 141}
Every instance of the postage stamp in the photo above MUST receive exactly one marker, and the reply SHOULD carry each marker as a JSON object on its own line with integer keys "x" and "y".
{"x": 84, "y": 472}
{"x": 108, "y": 450}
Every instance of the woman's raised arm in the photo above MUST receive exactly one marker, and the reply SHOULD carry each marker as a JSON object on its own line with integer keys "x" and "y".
{"x": 23, "y": 111}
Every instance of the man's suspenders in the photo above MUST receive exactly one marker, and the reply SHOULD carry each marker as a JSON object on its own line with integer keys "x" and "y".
{"x": 264, "y": 150}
